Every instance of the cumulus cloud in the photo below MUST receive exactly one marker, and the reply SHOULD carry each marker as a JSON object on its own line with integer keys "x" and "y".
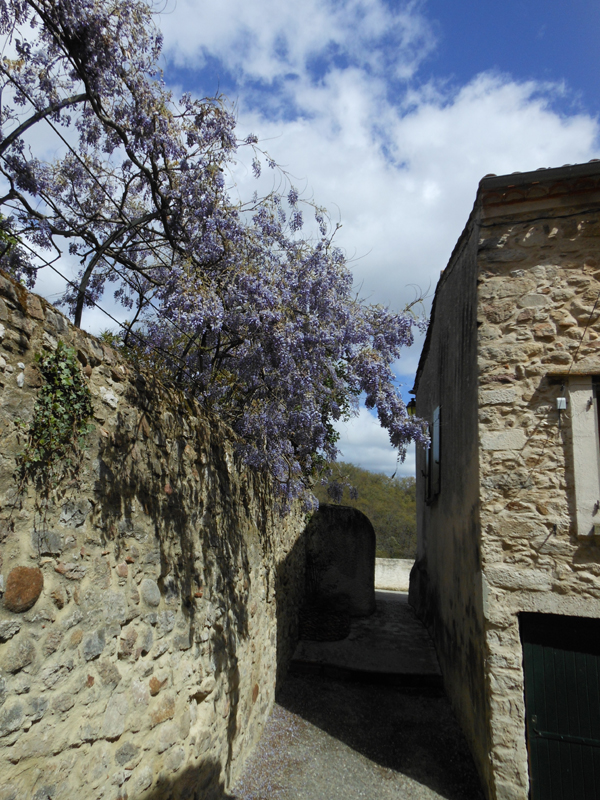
{"x": 266, "y": 39}
{"x": 363, "y": 442}
{"x": 405, "y": 186}
{"x": 333, "y": 90}
{"x": 399, "y": 162}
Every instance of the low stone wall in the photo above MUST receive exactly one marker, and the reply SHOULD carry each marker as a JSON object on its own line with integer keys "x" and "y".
{"x": 148, "y": 609}
{"x": 393, "y": 574}
{"x": 340, "y": 560}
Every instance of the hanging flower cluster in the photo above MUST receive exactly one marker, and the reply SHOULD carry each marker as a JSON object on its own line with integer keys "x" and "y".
{"x": 258, "y": 321}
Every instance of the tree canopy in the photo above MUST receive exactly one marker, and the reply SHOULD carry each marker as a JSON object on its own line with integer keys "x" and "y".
{"x": 253, "y": 317}
{"x": 389, "y": 503}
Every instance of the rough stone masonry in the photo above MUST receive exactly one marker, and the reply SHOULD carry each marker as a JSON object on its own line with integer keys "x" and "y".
{"x": 539, "y": 283}
{"x": 145, "y": 613}
{"x": 515, "y": 327}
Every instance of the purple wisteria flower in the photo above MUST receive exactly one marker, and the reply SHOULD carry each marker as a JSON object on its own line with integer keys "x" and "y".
{"x": 255, "y": 319}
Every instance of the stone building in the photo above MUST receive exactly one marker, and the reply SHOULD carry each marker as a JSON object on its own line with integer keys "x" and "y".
{"x": 507, "y": 576}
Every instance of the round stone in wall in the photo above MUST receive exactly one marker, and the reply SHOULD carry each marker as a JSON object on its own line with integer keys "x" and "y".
{"x": 23, "y": 587}
{"x": 149, "y": 591}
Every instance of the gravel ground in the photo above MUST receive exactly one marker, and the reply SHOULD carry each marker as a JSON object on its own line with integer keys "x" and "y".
{"x": 330, "y": 739}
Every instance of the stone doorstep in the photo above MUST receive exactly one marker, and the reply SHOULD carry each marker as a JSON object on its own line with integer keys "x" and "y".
{"x": 407, "y": 680}
{"x": 391, "y": 646}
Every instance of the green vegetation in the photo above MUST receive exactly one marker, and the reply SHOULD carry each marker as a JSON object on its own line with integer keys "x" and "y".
{"x": 390, "y": 504}
{"x": 56, "y": 436}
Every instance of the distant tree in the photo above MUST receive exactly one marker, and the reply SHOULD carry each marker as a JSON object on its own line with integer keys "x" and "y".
{"x": 255, "y": 320}
{"x": 390, "y": 504}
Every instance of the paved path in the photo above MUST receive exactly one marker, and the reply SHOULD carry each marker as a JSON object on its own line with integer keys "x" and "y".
{"x": 391, "y": 642}
{"x": 357, "y": 723}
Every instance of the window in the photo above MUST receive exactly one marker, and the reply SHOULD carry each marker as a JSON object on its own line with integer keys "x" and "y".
{"x": 432, "y": 459}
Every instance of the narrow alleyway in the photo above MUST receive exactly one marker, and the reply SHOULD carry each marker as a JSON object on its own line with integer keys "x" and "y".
{"x": 363, "y": 718}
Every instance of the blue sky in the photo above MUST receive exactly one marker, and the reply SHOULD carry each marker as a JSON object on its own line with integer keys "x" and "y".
{"x": 389, "y": 113}
{"x": 551, "y": 41}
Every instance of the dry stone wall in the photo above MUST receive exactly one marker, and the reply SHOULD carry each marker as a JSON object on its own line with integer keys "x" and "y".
{"x": 539, "y": 280}
{"x": 147, "y": 610}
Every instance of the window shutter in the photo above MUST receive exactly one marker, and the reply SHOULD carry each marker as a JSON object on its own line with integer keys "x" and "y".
{"x": 435, "y": 453}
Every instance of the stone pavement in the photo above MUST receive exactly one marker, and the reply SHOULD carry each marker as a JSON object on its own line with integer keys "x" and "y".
{"x": 391, "y": 643}
{"x": 363, "y": 719}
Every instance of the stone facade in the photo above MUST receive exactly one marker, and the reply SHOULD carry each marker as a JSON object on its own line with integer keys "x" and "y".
{"x": 510, "y": 527}
{"x": 146, "y": 612}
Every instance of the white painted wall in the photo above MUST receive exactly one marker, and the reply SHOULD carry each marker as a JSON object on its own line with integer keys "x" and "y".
{"x": 393, "y": 573}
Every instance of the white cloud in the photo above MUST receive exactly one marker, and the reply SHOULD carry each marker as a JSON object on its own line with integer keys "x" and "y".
{"x": 268, "y": 39}
{"x": 399, "y": 166}
{"x": 364, "y": 442}
{"x": 404, "y": 205}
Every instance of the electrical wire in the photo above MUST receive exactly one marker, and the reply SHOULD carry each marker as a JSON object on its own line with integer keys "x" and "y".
{"x": 161, "y": 351}
{"x": 154, "y": 252}
{"x": 588, "y": 323}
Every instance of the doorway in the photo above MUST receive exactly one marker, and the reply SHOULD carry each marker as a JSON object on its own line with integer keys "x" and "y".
{"x": 561, "y": 664}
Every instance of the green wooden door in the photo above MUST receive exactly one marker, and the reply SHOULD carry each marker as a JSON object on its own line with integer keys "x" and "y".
{"x": 561, "y": 661}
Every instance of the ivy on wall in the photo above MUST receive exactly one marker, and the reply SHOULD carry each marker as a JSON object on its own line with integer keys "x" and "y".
{"x": 56, "y": 436}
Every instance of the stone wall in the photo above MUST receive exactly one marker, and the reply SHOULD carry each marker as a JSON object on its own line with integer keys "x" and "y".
{"x": 445, "y": 583}
{"x": 518, "y": 535}
{"x": 539, "y": 273}
{"x": 340, "y": 559}
{"x": 147, "y": 611}
{"x": 393, "y": 574}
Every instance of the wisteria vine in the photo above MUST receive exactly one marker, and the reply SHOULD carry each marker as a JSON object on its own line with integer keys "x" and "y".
{"x": 260, "y": 323}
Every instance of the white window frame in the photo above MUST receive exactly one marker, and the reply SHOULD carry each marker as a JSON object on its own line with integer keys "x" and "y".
{"x": 586, "y": 453}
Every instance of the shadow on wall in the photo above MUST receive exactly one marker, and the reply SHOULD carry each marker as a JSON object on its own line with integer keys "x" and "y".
{"x": 186, "y": 513}
{"x": 205, "y": 780}
{"x": 202, "y": 782}
{"x": 289, "y": 596}
{"x": 165, "y": 560}
{"x": 340, "y": 572}
{"x": 194, "y": 553}
{"x": 203, "y": 529}
{"x": 340, "y": 559}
